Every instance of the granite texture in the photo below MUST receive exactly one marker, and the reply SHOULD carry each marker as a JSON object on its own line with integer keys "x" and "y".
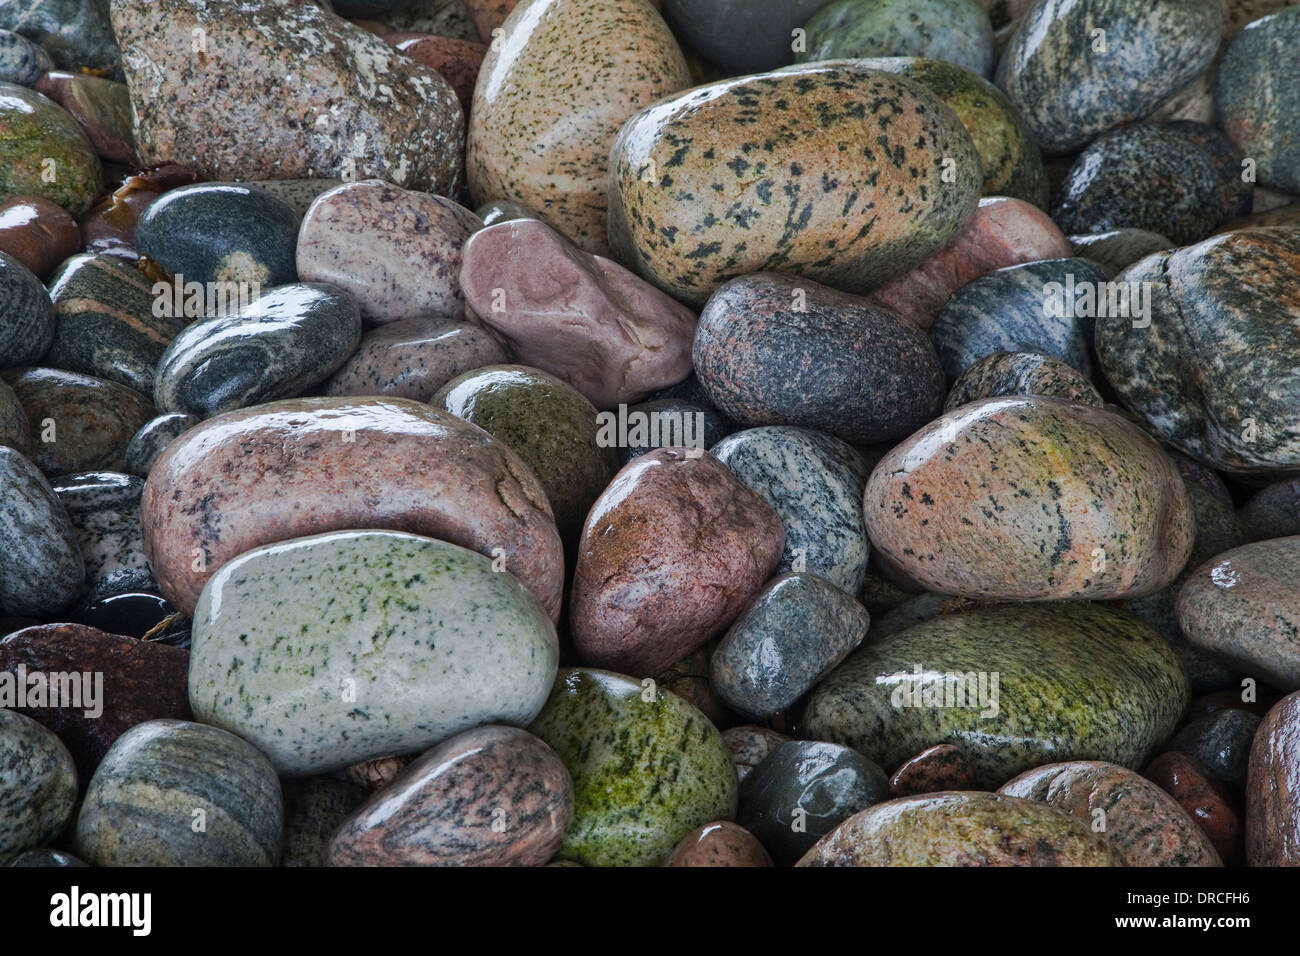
{"x": 1003, "y": 374}
{"x": 42, "y": 572}
{"x": 104, "y": 508}
{"x": 38, "y": 784}
{"x": 1273, "y": 788}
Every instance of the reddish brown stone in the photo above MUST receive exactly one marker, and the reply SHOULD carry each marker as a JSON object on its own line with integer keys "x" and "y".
{"x": 141, "y": 681}
{"x": 940, "y": 768}
{"x": 720, "y": 844}
{"x": 101, "y": 107}
{"x": 672, "y": 551}
{"x": 488, "y": 15}
{"x": 38, "y": 233}
{"x": 1273, "y": 788}
{"x": 457, "y": 60}
{"x": 1205, "y": 799}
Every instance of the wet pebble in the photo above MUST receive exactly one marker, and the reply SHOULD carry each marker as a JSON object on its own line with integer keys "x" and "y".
{"x": 1203, "y": 798}
{"x": 104, "y": 508}
{"x": 719, "y": 844}
{"x": 750, "y": 745}
{"x": 42, "y": 572}
{"x": 37, "y": 232}
{"x": 152, "y": 440}
{"x": 1273, "y": 788}
{"x": 1004, "y": 374}
{"x": 1221, "y": 743}
{"x": 34, "y": 132}
{"x": 938, "y": 768}
{"x": 21, "y": 60}
{"x": 38, "y": 784}
{"x": 26, "y": 315}
{"x": 956, "y": 31}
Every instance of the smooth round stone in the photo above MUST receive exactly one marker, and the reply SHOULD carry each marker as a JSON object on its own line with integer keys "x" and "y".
{"x": 109, "y": 323}
{"x": 759, "y": 201}
{"x": 42, "y": 571}
{"x": 277, "y": 346}
{"x": 552, "y": 95}
{"x": 670, "y": 553}
{"x": 75, "y": 33}
{"x": 583, "y": 318}
{"x": 102, "y": 108}
{"x": 1082, "y": 504}
{"x": 131, "y": 614}
{"x": 954, "y": 31}
{"x": 1070, "y": 91}
{"x": 110, "y": 226}
{"x": 1003, "y": 232}
{"x": 1222, "y": 321}
{"x": 314, "y": 808}
{"x": 343, "y": 463}
{"x": 1074, "y": 682}
{"x": 492, "y": 796}
{"x": 719, "y": 844}
{"x": 14, "y": 431}
{"x": 1004, "y": 374}
{"x": 413, "y": 358}
{"x": 1202, "y": 798}
{"x": 503, "y": 210}
{"x": 666, "y": 422}
{"x": 26, "y": 316}
{"x": 396, "y": 251}
{"x": 44, "y": 858}
{"x": 1142, "y": 822}
{"x": 1243, "y": 606}
{"x": 141, "y": 680}
{"x": 1273, "y": 788}
{"x": 1142, "y": 177}
{"x": 802, "y": 791}
{"x": 797, "y": 630}
{"x": 1264, "y": 56}
{"x": 312, "y": 677}
{"x": 547, "y": 423}
{"x": 37, "y": 232}
{"x": 174, "y": 793}
{"x": 1273, "y": 512}
{"x": 104, "y": 508}
{"x": 221, "y": 232}
{"x": 647, "y": 768}
{"x": 35, "y": 132}
{"x": 21, "y": 60}
{"x": 962, "y": 829}
{"x": 1236, "y": 189}
{"x": 1221, "y": 743}
{"x": 815, "y": 483}
{"x": 1043, "y": 307}
{"x": 773, "y": 349}
{"x": 1118, "y": 249}
{"x": 152, "y": 440}
{"x": 78, "y": 422}
{"x": 935, "y": 769}
{"x": 750, "y": 745}
{"x": 38, "y": 784}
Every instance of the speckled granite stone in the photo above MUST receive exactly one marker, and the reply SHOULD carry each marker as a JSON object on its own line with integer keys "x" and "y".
{"x": 1273, "y": 512}
{"x": 547, "y": 423}
{"x": 398, "y": 252}
{"x": 459, "y": 61}
{"x": 1221, "y": 743}
{"x": 750, "y": 176}
{"x": 1021, "y": 373}
{"x": 106, "y": 322}
{"x": 153, "y": 438}
{"x": 21, "y": 60}
{"x": 14, "y": 431}
{"x": 815, "y": 484}
{"x": 220, "y": 489}
{"x": 314, "y": 808}
{"x": 750, "y": 745}
{"x": 299, "y": 194}
{"x": 550, "y": 99}
{"x": 34, "y": 132}
{"x": 314, "y": 682}
{"x": 1273, "y": 788}
{"x": 1256, "y": 98}
{"x": 1070, "y": 91}
{"x": 76, "y": 33}
{"x": 1236, "y": 190}
{"x": 1082, "y": 504}
{"x": 174, "y": 793}
{"x": 37, "y": 232}
{"x": 142, "y": 680}
{"x": 102, "y": 108}
{"x": 358, "y": 107}
{"x": 26, "y": 316}
{"x": 78, "y": 422}
{"x": 953, "y": 31}
{"x": 413, "y": 358}
{"x": 1119, "y": 248}
{"x": 647, "y": 768}
{"x": 937, "y": 768}
{"x": 491, "y": 796}
{"x": 440, "y": 17}
{"x": 680, "y": 422}
{"x": 719, "y": 844}
{"x": 774, "y": 349}
{"x": 1142, "y": 822}
{"x": 42, "y": 572}
{"x": 1075, "y": 682}
{"x": 104, "y": 508}
{"x": 670, "y": 553}
{"x": 277, "y": 346}
{"x": 1204, "y": 799}
{"x": 38, "y": 784}
{"x": 712, "y": 27}
{"x": 962, "y": 829}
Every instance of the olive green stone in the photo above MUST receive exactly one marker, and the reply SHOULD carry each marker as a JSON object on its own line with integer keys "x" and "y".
{"x": 43, "y": 152}
{"x": 647, "y": 767}
{"x": 1014, "y": 686}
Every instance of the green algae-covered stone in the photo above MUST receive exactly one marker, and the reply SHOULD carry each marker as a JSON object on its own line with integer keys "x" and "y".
{"x": 647, "y": 767}
{"x": 43, "y": 152}
{"x": 175, "y": 793}
{"x": 962, "y": 828}
{"x": 548, "y": 423}
{"x": 1009, "y": 156}
{"x": 1073, "y": 682}
{"x": 38, "y": 784}
{"x": 337, "y": 648}
{"x": 844, "y": 175}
